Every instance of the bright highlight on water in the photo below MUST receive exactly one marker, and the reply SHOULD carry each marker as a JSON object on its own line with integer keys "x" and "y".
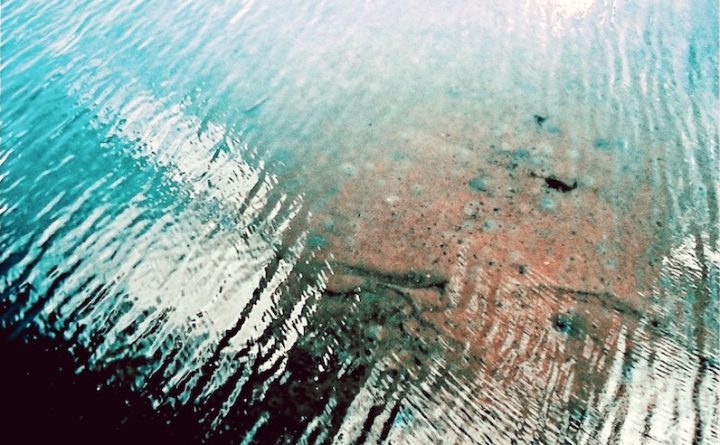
{"x": 360, "y": 222}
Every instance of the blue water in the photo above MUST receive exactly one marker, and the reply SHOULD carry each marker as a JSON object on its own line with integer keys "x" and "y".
{"x": 294, "y": 223}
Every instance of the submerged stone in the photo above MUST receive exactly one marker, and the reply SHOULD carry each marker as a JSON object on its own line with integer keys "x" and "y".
{"x": 547, "y": 203}
{"x": 316, "y": 241}
{"x": 570, "y": 323}
{"x": 479, "y": 183}
{"x": 490, "y": 225}
{"x": 560, "y": 185}
{"x": 539, "y": 120}
{"x": 607, "y": 144}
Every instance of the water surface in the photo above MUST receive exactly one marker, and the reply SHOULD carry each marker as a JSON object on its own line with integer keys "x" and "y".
{"x": 235, "y": 222}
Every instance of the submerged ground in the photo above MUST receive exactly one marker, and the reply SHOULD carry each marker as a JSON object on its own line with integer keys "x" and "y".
{"x": 238, "y": 223}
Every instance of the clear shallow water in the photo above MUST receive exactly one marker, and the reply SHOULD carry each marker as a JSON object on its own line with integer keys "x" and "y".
{"x": 335, "y": 223}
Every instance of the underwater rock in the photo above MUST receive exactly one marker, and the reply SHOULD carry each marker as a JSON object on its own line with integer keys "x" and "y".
{"x": 559, "y": 185}
{"x": 570, "y": 323}
{"x": 479, "y": 183}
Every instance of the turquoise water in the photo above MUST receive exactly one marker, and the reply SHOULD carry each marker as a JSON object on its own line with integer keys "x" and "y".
{"x": 302, "y": 223}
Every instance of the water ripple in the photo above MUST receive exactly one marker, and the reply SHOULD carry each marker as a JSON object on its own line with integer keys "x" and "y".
{"x": 324, "y": 223}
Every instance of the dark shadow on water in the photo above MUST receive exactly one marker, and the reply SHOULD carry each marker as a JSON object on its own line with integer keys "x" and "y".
{"x": 44, "y": 400}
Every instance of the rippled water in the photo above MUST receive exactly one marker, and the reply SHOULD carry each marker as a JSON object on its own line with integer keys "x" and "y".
{"x": 378, "y": 222}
